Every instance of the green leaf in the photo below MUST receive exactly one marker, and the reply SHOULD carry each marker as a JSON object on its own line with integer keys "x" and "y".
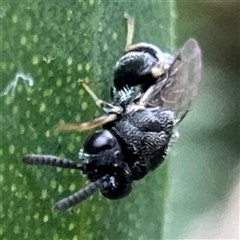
{"x": 45, "y": 48}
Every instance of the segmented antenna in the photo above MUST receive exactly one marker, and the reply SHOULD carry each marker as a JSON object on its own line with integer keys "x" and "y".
{"x": 40, "y": 159}
{"x": 81, "y": 195}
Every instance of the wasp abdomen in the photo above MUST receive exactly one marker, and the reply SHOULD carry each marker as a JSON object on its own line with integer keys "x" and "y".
{"x": 133, "y": 69}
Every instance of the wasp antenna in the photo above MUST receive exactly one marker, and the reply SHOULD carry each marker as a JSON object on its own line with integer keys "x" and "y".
{"x": 40, "y": 159}
{"x": 79, "y": 196}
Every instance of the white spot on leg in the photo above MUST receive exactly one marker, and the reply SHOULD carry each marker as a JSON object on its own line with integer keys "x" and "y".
{"x": 112, "y": 181}
{"x": 10, "y": 88}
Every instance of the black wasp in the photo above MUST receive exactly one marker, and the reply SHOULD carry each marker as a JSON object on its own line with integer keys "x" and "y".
{"x": 152, "y": 92}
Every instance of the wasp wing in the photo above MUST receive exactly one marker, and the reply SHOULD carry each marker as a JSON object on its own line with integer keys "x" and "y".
{"x": 179, "y": 89}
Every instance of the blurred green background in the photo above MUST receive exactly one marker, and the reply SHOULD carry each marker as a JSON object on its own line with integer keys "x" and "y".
{"x": 45, "y": 47}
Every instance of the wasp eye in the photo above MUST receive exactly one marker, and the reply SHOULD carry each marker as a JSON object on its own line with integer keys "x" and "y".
{"x": 99, "y": 141}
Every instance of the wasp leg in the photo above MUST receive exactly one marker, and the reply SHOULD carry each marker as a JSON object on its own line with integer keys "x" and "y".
{"x": 130, "y": 31}
{"x": 152, "y": 91}
{"x": 107, "y": 107}
{"x": 99, "y": 102}
{"x": 158, "y": 70}
{"x": 97, "y": 122}
{"x": 135, "y": 108}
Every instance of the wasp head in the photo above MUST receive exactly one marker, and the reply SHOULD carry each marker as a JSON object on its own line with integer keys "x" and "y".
{"x": 102, "y": 155}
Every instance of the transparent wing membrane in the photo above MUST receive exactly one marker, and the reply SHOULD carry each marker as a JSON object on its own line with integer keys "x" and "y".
{"x": 179, "y": 89}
